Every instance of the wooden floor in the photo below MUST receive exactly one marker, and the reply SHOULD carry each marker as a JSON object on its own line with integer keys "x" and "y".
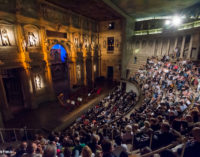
{"x": 52, "y": 115}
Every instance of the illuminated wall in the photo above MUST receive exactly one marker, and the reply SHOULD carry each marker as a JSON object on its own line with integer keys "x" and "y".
{"x": 29, "y": 32}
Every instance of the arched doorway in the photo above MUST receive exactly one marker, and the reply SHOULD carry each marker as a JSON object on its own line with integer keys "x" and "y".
{"x": 59, "y": 69}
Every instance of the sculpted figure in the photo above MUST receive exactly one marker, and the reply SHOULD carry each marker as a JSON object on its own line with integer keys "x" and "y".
{"x": 32, "y": 39}
{"x": 5, "y": 38}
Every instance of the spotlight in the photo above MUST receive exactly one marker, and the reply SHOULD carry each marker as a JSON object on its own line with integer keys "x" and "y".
{"x": 176, "y": 20}
{"x": 167, "y": 22}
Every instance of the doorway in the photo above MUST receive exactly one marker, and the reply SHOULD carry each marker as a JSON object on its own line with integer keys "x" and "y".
{"x": 59, "y": 69}
{"x": 110, "y": 73}
{"x": 13, "y": 89}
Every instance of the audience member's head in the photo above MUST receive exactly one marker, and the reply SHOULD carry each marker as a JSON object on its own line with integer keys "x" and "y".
{"x": 50, "y": 151}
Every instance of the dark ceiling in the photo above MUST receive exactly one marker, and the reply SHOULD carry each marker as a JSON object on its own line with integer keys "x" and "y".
{"x": 95, "y": 9}
{"x": 98, "y": 10}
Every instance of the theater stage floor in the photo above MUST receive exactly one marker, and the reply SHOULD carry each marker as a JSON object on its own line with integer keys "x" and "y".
{"x": 51, "y": 115}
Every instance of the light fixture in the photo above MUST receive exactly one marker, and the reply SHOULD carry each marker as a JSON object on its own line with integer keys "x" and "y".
{"x": 176, "y": 20}
{"x": 168, "y": 22}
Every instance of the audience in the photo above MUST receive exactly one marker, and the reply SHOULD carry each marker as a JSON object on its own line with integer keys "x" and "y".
{"x": 168, "y": 113}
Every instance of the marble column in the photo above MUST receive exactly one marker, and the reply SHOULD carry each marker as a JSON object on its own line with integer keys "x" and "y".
{"x": 182, "y": 47}
{"x": 161, "y": 46}
{"x": 175, "y": 43}
{"x": 168, "y": 46}
{"x": 190, "y": 47}
{"x": 154, "y": 47}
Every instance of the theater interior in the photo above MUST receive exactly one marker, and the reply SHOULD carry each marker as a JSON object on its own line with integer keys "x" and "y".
{"x": 100, "y": 78}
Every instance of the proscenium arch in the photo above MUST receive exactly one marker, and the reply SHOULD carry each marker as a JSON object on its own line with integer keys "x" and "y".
{"x": 65, "y": 46}
{"x": 63, "y": 52}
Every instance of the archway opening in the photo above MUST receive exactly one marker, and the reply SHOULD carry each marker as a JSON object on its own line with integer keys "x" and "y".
{"x": 59, "y": 69}
{"x": 58, "y": 53}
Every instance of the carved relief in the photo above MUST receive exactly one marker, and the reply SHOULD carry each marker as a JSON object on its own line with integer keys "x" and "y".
{"x": 94, "y": 40}
{"x": 7, "y": 37}
{"x": 31, "y": 36}
{"x": 86, "y": 40}
{"x": 78, "y": 72}
{"x": 76, "y": 38}
{"x": 53, "y": 14}
{"x": 32, "y": 39}
{"x": 38, "y": 81}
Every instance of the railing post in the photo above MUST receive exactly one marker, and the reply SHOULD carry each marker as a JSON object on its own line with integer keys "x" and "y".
{"x": 2, "y": 139}
{"x": 15, "y": 134}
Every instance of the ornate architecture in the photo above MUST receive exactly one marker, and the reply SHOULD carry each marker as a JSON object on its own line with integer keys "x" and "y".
{"x": 29, "y": 74}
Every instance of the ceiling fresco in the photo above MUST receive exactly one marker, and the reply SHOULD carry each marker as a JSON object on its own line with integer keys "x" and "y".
{"x": 146, "y": 8}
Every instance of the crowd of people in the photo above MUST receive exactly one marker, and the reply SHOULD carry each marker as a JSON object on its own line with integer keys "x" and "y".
{"x": 168, "y": 114}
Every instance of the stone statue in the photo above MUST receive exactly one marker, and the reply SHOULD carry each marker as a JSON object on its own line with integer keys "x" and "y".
{"x": 5, "y": 38}
{"x": 38, "y": 81}
{"x": 32, "y": 39}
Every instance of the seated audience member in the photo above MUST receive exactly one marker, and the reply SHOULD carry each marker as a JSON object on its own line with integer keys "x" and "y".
{"x": 165, "y": 136}
{"x": 192, "y": 148}
{"x": 94, "y": 146}
{"x": 32, "y": 151}
{"x": 50, "y": 151}
{"x": 107, "y": 149}
{"x": 128, "y": 135}
{"x": 119, "y": 146}
{"x": 22, "y": 149}
{"x": 86, "y": 152}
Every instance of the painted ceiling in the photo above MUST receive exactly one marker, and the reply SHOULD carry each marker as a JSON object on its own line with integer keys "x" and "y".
{"x": 146, "y": 8}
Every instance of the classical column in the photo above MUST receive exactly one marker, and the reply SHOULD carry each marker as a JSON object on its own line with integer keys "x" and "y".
{"x": 92, "y": 64}
{"x": 84, "y": 69}
{"x": 190, "y": 47}
{"x": 154, "y": 46}
{"x": 26, "y": 89}
{"x": 72, "y": 72}
{"x": 168, "y": 46}
{"x": 175, "y": 43}
{"x": 46, "y": 54}
{"x": 182, "y": 47}
{"x": 161, "y": 46}
{"x": 140, "y": 44}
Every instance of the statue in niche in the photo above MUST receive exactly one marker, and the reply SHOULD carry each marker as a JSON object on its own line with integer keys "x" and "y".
{"x": 5, "y": 38}
{"x": 85, "y": 41}
{"x": 78, "y": 72}
{"x": 38, "y": 81}
{"x": 32, "y": 39}
{"x": 76, "y": 42}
